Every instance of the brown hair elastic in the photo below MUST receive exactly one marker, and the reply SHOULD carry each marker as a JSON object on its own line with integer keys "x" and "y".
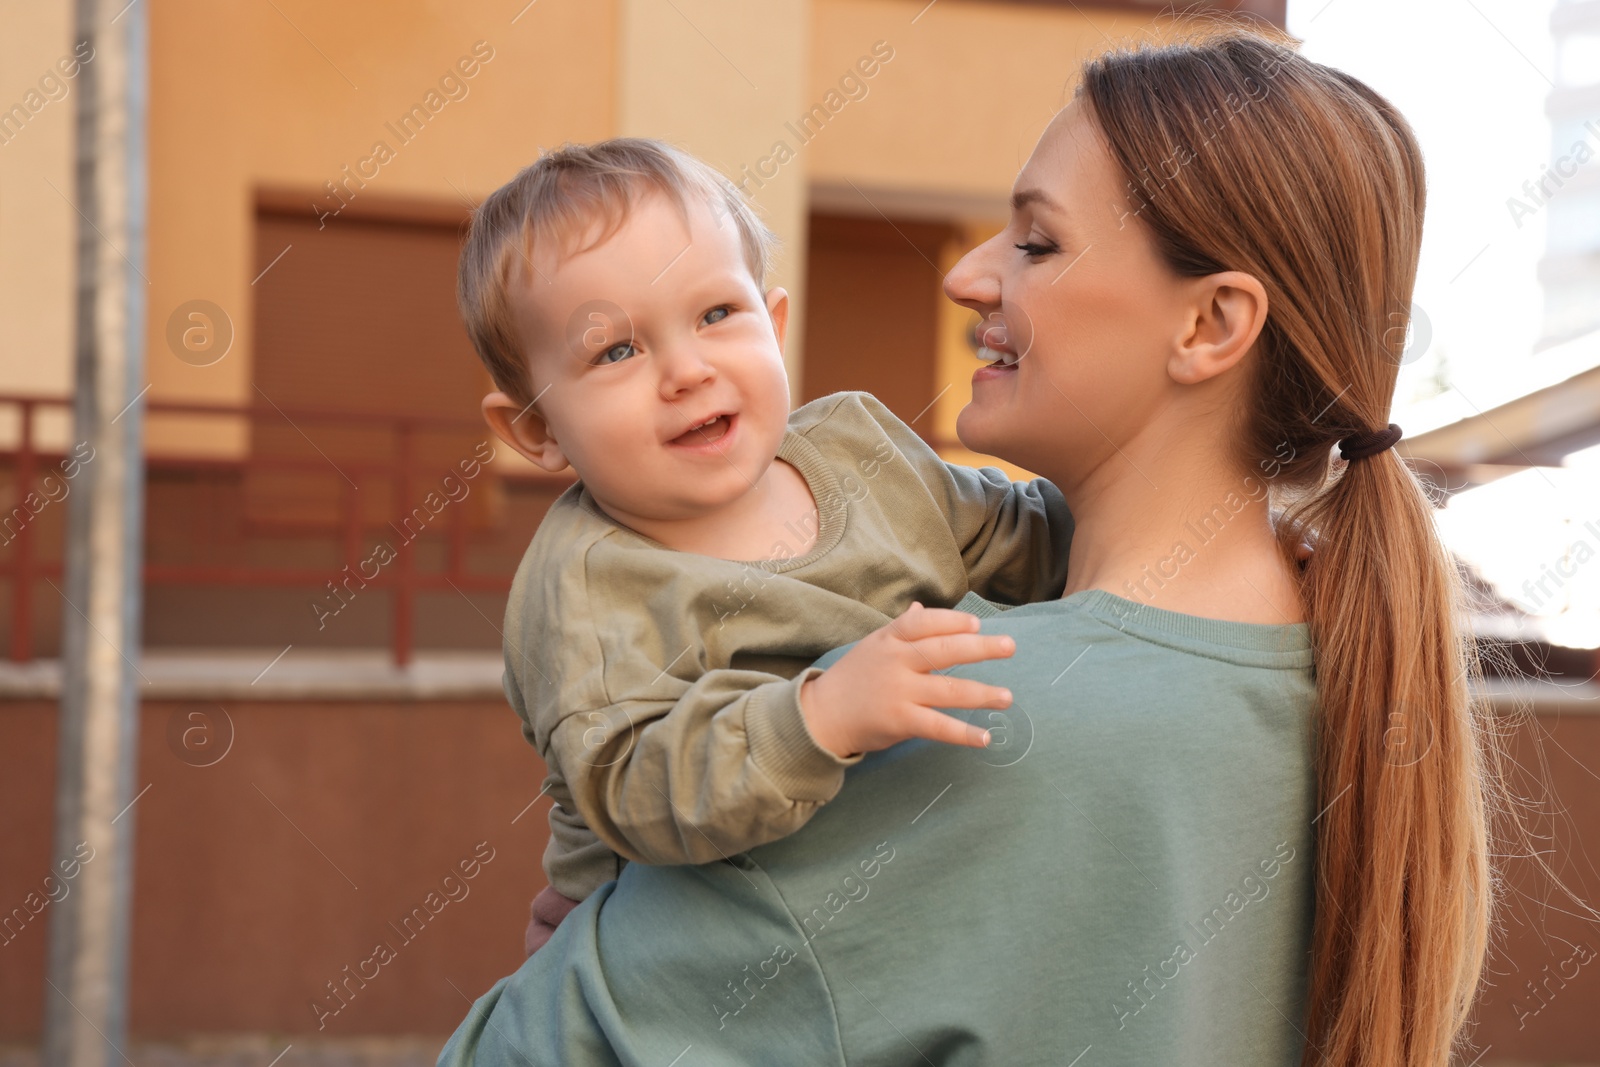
{"x": 1362, "y": 445}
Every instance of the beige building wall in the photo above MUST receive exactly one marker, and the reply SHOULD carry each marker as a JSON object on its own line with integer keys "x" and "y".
{"x": 928, "y": 138}
{"x": 38, "y": 226}
{"x": 720, "y": 78}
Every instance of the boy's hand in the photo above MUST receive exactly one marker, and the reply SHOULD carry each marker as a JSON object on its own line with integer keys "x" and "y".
{"x": 883, "y": 690}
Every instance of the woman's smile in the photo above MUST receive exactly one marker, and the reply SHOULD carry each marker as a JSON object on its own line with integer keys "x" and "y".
{"x": 995, "y": 347}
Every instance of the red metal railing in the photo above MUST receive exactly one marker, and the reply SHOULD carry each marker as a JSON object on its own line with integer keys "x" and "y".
{"x": 404, "y": 579}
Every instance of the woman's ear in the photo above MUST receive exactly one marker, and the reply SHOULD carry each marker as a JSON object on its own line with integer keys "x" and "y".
{"x": 525, "y": 430}
{"x": 778, "y": 309}
{"x": 1229, "y": 311}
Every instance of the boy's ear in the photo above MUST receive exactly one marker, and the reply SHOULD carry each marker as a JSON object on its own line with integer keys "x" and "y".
{"x": 521, "y": 427}
{"x": 778, "y": 309}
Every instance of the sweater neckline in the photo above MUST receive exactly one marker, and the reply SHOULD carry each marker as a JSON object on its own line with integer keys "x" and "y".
{"x": 1290, "y": 641}
{"x": 822, "y": 482}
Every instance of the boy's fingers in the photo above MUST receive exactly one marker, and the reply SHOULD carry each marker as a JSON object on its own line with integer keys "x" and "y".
{"x": 936, "y": 726}
{"x": 918, "y": 622}
{"x": 939, "y": 651}
{"x": 943, "y": 691}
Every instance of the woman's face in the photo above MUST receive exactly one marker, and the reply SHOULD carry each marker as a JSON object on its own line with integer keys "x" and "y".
{"x": 1087, "y": 306}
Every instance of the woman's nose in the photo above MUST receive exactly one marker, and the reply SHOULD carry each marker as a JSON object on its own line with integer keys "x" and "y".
{"x": 972, "y": 282}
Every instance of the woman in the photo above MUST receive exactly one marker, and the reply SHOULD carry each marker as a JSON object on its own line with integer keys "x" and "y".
{"x": 1187, "y": 845}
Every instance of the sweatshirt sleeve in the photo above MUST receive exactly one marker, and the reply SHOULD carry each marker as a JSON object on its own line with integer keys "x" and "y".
{"x": 688, "y": 772}
{"x": 1013, "y": 536}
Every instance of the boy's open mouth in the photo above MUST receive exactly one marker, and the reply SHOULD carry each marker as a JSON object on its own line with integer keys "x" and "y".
{"x": 705, "y": 432}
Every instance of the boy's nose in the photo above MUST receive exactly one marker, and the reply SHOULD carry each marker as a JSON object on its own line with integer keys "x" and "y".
{"x": 684, "y": 367}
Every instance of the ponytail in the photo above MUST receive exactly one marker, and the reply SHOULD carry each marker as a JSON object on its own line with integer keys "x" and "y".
{"x": 1403, "y": 882}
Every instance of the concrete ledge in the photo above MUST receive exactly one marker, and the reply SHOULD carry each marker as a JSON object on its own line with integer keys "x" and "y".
{"x": 255, "y": 1050}
{"x": 283, "y": 674}
{"x": 323, "y": 674}
{"x": 1577, "y": 697}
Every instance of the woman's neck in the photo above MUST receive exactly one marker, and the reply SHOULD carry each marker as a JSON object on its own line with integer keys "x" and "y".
{"x": 1185, "y": 534}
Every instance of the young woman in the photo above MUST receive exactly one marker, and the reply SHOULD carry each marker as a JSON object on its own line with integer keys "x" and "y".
{"x": 1236, "y": 812}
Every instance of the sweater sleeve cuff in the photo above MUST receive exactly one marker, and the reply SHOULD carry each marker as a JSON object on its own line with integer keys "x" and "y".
{"x": 782, "y": 746}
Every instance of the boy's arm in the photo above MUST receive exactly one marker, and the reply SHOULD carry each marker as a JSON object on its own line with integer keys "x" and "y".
{"x": 1013, "y": 536}
{"x": 681, "y": 772}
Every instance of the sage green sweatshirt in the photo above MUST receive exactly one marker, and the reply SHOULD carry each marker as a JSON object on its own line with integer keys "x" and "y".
{"x": 662, "y": 687}
{"x": 1124, "y": 877}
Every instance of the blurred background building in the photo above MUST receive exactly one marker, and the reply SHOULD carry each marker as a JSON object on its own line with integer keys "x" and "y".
{"x": 1570, "y": 270}
{"x": 330, "y": 529}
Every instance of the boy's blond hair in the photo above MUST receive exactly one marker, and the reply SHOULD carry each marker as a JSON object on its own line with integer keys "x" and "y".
{"x": 556, "y": 198}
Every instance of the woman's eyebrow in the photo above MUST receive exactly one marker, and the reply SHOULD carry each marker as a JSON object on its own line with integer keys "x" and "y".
{"x": 1023, "y": 197}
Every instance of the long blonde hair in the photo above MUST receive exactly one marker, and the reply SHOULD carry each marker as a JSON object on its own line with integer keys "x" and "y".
{"x": 1241, "y": 154}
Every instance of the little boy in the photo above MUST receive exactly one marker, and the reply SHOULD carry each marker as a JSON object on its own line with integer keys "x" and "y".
{"x": 662, "y": 621}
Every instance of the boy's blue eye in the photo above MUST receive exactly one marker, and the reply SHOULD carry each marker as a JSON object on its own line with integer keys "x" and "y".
{"x": 621, "y": 352}
{"x": 720, "y": 313}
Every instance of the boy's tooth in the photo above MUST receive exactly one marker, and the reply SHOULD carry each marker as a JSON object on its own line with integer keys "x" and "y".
{"x": 703, "y": 425}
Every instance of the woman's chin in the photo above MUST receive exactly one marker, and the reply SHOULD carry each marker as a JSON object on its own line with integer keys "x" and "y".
{"x": 975, "y": 430}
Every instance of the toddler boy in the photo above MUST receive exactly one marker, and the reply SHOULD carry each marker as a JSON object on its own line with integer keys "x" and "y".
{"x": 660, "y": 626}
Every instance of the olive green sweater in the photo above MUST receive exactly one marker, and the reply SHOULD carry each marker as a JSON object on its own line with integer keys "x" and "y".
{"x": 662, "y": 687}
{"x": 1123, "y": 878}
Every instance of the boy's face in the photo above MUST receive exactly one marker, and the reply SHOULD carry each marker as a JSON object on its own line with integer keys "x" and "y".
{"x": 636, "y": 343}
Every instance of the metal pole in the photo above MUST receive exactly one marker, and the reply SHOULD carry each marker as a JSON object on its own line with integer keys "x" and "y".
{"x": 86, "y": 995}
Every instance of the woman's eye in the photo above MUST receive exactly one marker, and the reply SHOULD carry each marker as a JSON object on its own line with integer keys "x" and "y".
{"x": 1033, "y": 250}
{"x": 716, "y": 314}
{"x": 615, "y": 354}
